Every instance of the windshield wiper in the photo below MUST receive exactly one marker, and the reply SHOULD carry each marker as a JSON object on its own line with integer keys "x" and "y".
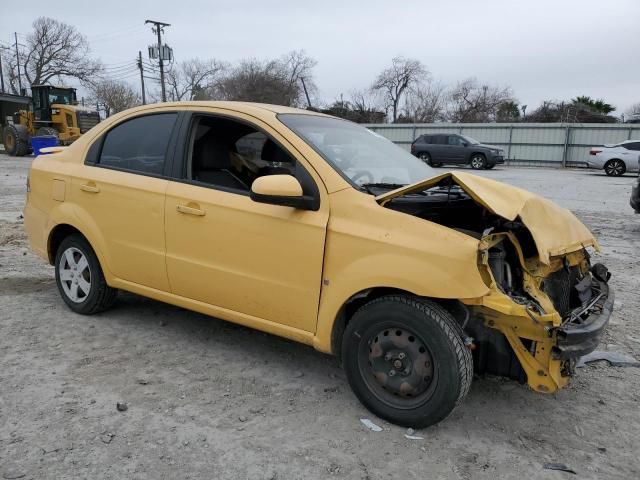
{"x": 390, "y": 186}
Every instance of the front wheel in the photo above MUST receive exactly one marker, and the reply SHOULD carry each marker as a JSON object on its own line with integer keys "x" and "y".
{"x": 406, "y": 360}
{"x": 80, "y": 279}
{"x": 425, "y": 157}
{"x": 478, "y": 161}
{"x": 615, "y": 168}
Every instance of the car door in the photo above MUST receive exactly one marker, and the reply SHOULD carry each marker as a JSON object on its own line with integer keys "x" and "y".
{"x": 223, "y": 249}
{"x": 632, "y": 156}
{"x": 119, "y": 193}
{"x": 439, "y": 148}
{"x": 457, "y": 150}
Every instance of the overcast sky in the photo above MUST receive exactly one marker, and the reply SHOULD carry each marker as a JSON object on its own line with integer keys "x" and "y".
{"x": 543, "y": 49}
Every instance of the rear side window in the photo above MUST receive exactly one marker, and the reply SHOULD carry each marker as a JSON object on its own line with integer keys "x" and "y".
{"x": 426, "y": 139}
{"x": 139, "y": 145}
{"x": 632, "y": 146}
{"x": 440, "y": 139}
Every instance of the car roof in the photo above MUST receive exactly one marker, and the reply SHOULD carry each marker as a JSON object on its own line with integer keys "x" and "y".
{"x": 251, "y": 108}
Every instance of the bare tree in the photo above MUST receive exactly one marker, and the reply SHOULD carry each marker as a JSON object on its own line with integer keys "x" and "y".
{"x": 425, "y": 103}
{"x": 471, "y": 101}
{"x": 269, "y": 81}
{"x": 393, "y": 81}
{"x": 53, "y": 50}
{"x": 193, "y": 79}
{"x": 634, "y": 111}
{"x": 115, "y": 96}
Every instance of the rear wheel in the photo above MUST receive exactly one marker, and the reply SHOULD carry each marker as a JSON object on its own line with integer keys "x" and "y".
{"x": 80, "y": 279}
{"x": 615, "y": 168}
{"x": 406, "y": 361}
{"x": 16, "y": 140}
{"x": 478, "y": 161}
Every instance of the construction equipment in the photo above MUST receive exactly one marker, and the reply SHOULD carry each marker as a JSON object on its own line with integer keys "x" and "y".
{"x": 49, "y": 111}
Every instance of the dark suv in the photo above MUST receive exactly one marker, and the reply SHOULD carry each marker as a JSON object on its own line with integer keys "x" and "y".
{"x": 438, "y": 148}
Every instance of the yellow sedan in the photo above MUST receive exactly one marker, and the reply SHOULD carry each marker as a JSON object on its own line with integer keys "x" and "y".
{"x": 318, "y": 230}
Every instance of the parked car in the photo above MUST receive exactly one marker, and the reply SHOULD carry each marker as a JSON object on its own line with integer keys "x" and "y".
{"x": 440, "y": 148}
{"x": 616, "y": 159}
{"x": 318, "y": 230}
{"x": 635, "y": 193}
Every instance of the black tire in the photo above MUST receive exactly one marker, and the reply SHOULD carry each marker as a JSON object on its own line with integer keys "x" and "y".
{"x": 478, "y": 161}
{"x": 16, "y": 140}
{"x": 435, "y": 373}
{"x": 615, "y": 168}
{"x": 42, "y": 131}
{"x": 425, "y": 157}
{"x": 100, "y": 296}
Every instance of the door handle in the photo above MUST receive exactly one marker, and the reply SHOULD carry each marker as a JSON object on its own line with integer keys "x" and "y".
{"x": 89, "y": 187}
{"x": 190, "y": 210}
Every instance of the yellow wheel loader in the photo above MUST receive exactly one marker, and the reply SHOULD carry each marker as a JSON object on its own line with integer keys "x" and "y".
{"x": 50, "y": 111}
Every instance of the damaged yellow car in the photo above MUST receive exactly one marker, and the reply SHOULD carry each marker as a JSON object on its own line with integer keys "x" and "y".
{"x": 318, "y": 230}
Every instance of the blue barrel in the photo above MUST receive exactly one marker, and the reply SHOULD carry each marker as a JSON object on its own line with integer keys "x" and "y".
{"x": 38, "y": 143}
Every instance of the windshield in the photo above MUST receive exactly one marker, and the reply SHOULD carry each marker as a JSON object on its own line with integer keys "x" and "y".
{"x": 362, "y": 156}
{"x": 61, "y": 97}
{"x": 469, "y": 140}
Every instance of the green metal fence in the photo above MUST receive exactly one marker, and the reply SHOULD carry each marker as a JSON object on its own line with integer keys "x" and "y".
{"x": 544, "y": 144}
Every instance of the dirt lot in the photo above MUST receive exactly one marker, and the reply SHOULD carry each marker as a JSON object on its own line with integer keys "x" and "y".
{"x": 208, "y": 399}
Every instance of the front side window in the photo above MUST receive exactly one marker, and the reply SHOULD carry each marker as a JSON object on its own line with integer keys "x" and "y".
{"x": 455, "y": 140}
{"x": 360, "y": 155}
{"x": 230, "y": 155}
{"x": 139, "y": 145}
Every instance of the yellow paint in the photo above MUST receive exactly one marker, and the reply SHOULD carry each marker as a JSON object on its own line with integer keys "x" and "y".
{"x": 286, "y": 271}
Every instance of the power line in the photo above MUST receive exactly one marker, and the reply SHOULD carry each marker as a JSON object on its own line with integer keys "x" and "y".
{"x": 158, "y": 29}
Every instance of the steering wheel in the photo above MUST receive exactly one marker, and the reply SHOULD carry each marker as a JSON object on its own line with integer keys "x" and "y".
{"x": 360, "y": 174}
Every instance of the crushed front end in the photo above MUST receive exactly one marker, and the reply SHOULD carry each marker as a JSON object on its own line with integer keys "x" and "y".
{"x": 539, "y": 318}
{"x": 547, "y": 305}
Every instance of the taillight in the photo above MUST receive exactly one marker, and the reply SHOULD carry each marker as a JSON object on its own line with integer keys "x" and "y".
{"x": 594, "y": 152}
{"x": 413, "y": 148}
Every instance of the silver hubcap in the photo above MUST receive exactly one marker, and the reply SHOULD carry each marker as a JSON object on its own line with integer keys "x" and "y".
{"x": 476, "y": 162}
{"x": 75, "y": 275}
{"x": 615, "y": 168}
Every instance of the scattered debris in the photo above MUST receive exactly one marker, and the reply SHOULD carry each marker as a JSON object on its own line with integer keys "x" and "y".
{"x": 107, "y": 437}
{"x": 332, "y": 389}
{"x": 602, "y": 449}
{"x": 615, "y": 359}
{"x": 256, "y": 410}
{"x": 122, "y": 406}
{"x": 298, "y": 374}
{"x": 334, "y": 469}
{"x": 242, "y": 418}
{"x": 13, "y": 474}
{"x": 143, "y": 381}
{"x": 370, "y": 425}
{"x": 413, "y": 437}
{"x": 559, "y": 466}
{"x": 164, "y": 323}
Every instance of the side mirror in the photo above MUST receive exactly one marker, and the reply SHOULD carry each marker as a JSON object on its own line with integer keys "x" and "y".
{"x": 284, "y": 190}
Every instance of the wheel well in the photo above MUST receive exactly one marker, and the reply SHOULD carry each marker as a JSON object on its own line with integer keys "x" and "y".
{"x": 473, "y": 154}
{"x": 57, "y": 235}
{"x": 351, "y": 306}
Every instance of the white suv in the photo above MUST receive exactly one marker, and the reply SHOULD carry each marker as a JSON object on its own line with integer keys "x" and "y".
{"x": 616, "y": 159}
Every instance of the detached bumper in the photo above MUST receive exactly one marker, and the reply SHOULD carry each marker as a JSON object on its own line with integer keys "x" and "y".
{"x": 575, "y": 340}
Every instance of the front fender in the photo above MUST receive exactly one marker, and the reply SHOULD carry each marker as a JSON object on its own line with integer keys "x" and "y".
{"x": 369, "y": 246}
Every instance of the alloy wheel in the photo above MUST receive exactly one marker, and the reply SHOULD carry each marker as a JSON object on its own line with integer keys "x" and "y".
{"x": 614, "y": 168}
{"x": 477, "y": 162}
{"x": 75, "y": 274}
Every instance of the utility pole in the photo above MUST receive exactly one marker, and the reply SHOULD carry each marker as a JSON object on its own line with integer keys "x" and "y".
{"x": 15, "y": 35}
{"x": 144, "y": 97}
{"x": 1, "y": 72}
{"x": 158, "y": 29}
{"x": 305, "y": 92}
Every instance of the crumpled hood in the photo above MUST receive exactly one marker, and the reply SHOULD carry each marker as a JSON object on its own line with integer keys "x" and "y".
{"x": 555, "y": 230}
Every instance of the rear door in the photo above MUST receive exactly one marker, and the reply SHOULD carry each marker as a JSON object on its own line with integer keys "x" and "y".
{"x": 439, "y": 149}
{"x": 457, "y": 150}
{"x": 120, "y": 193}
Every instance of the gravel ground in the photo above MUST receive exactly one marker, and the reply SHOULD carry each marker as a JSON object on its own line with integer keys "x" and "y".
{"x": 208, "y": 399}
